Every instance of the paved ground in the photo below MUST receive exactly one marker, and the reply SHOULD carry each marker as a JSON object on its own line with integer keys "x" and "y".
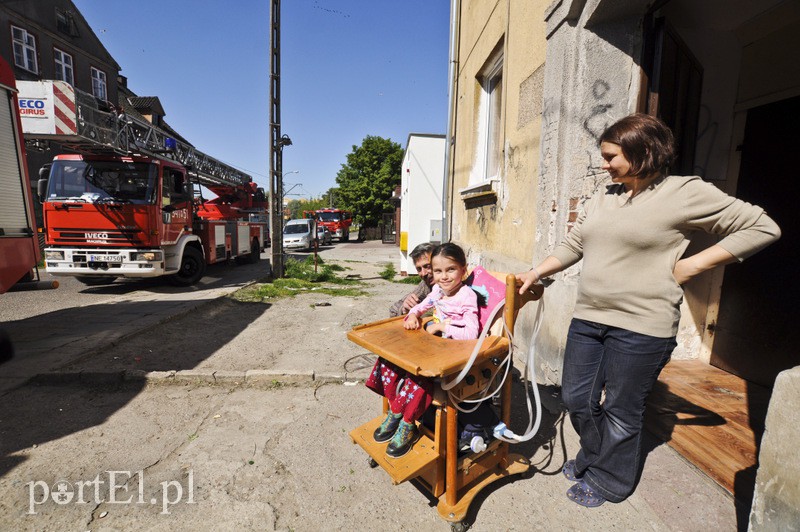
{"x": 253, "y": 435}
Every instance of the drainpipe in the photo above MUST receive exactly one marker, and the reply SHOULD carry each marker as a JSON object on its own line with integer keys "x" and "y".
{"x": 455, "y": 22}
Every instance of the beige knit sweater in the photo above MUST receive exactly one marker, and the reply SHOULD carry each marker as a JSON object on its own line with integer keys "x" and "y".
{"x": 630, "y": 246}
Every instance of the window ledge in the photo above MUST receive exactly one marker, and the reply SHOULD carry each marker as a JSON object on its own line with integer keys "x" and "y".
{"x": 483, "y": 190}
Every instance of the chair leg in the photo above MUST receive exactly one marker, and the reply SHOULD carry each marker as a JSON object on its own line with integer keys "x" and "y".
{"x": 451, "y": 456}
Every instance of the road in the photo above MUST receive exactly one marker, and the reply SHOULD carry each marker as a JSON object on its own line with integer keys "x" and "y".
{"x": 51, "y": 329}
{"x": 72, "y": 293}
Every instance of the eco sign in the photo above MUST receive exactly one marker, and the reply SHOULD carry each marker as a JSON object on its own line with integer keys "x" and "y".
{"x": 31, "y": 107}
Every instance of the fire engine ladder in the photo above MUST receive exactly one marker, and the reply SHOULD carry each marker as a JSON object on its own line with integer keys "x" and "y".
{"x": 96, "y": 127}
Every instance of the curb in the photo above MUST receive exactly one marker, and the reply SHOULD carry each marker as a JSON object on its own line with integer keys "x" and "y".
{"x": 260, "y": 378}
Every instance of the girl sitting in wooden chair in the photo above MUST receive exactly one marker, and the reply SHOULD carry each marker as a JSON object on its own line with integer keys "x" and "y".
{"x": 455, "y": 316}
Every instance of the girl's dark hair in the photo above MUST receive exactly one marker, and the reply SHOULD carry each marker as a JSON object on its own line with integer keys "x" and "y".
{"x": 646, "y": 142}
{"x": 452, "y": 252}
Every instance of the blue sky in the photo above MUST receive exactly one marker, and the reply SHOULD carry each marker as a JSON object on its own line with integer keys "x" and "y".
{"x": 350, "y": 68}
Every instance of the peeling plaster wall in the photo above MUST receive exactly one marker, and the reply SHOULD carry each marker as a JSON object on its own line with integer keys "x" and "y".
{"x": 591, "y": 80}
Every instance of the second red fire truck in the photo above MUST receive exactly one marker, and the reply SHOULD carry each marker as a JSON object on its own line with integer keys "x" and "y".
{"x": 337, "y": 221}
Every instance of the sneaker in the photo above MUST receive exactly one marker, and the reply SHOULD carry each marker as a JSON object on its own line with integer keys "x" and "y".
{"x": 403, "y": 439}
{"x": 387, "y": 429}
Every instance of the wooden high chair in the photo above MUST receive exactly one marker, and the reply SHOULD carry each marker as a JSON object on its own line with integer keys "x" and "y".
{"x": 433, "y": 461}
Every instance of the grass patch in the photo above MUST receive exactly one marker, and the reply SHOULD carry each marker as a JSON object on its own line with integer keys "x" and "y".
{"x": 301, "y": 278}
{"x": 411, "y": 279}
{"x": 304, "y": 270}
{"x": 388, "y": 272}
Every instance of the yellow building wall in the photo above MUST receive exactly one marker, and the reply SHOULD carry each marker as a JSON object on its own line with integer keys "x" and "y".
{"x": 501, "y": 232}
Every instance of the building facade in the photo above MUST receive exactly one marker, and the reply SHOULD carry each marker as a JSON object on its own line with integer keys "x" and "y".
{"x": 421, "y": 186}
{"x": 50, "y": 39}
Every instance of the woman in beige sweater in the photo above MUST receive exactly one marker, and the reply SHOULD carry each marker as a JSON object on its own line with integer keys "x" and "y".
{"x": 632, "y": 236}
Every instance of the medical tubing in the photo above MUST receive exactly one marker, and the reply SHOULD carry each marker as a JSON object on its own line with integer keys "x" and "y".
{"x": 484, "y": 396}
{"x": 501, "y": 432}
{"x": 475, "y": 351}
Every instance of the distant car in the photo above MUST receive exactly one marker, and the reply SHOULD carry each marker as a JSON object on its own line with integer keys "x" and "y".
{"x": 324, "y": 236}
{"x": 299, "y": 234}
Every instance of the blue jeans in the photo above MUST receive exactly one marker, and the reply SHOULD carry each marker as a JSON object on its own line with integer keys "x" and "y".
{"x": 626, "y": 365}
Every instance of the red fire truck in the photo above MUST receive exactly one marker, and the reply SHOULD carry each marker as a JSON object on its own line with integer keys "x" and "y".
{"x": 337, "y": 221}
{"x": 19, "y": 246}
{"x": 129, "y": 203}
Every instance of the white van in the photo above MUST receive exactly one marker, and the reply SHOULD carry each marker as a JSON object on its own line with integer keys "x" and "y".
{"x": 299, "y": 234}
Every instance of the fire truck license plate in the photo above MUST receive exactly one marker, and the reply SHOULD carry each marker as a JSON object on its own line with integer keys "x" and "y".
{"x": 105, "y": 258}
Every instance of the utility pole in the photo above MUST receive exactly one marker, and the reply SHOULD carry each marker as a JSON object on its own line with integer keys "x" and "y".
{"x": 277, "y": 141}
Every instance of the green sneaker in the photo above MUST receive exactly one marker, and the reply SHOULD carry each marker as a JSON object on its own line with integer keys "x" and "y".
{"x": 403, "y": 439}
{"x": 387, "y": 429}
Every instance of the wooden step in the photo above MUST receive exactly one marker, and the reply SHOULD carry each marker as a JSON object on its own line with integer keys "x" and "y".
{"x": 408, "y": 466}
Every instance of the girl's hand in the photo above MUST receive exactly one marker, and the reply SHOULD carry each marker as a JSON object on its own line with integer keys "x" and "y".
{"x": 411, "y": 322}
{"x": 434, "y": 328}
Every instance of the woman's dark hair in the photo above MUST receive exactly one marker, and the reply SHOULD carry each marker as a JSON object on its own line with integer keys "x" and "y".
{"x": 452, "y": 252}
{"x": 646, "y": 142}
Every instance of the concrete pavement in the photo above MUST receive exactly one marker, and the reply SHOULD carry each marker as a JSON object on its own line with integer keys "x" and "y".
{"x": 272, "y": 453}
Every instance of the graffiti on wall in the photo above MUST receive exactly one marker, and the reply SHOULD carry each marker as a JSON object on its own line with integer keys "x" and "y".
{"x": 598, "y": 119}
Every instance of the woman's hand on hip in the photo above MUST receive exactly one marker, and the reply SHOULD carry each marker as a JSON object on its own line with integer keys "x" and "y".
{"x": 686, "y": 269}
{"x": 683, "y": 271}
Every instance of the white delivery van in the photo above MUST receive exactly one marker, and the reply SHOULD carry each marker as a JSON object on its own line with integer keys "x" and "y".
{"x": 299, "y": 234}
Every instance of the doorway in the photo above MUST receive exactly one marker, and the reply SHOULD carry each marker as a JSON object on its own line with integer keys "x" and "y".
{"x": 757, "y": 332}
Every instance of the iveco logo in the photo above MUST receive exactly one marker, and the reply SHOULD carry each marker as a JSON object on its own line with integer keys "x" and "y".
{"x": 97, "y": 236}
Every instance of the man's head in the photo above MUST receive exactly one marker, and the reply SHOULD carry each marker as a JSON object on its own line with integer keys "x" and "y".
{"x": 421, "y": 256}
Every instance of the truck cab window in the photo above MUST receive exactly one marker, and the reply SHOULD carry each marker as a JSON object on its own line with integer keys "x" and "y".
{"x": 175, "y": 188}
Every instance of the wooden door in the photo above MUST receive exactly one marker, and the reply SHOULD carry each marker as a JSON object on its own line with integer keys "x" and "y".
{"x": 673, "y": 80}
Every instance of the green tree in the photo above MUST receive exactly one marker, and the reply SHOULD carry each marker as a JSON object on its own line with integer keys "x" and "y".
{"x": 368, "y": 179}
{"x": 331, "y": 198}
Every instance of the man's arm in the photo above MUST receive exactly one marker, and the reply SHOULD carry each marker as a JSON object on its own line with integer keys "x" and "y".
{"x": 403, "y": 305}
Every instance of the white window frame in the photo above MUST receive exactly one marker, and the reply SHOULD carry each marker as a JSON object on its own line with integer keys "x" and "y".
{"x": 489, "y": 146}
{"x": 24, "y": 45}
{"x": 65, "y": 71}
{"x": 99, "y": 86}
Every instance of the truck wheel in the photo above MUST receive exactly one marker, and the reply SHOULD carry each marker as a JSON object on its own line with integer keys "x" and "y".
{"x": 93, "y": 280}
{"x": 193, "y": 266}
